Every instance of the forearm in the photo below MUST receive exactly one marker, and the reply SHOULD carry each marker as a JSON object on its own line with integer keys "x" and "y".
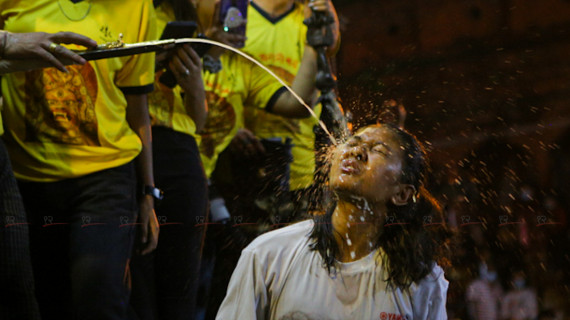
{"x": 196, "y": 107}
{"x": 139, "y": 121}
{"x": 304, "y": 86}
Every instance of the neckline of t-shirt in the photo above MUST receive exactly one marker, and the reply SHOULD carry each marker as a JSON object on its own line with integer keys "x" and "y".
{"x": 266, "y": 15}
{"x": 359, "y": 265}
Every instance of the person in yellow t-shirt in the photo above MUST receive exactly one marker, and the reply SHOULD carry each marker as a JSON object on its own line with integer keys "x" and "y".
{"x": 241, "y": 83}
{"x": 276, "y": 37}
{"x": 72, "y": 138}
{"x": 20, "y": 52}
{"x": 164, "y": 284}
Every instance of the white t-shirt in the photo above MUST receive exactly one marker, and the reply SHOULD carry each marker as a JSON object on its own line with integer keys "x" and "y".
{"x": 279, "y": 277}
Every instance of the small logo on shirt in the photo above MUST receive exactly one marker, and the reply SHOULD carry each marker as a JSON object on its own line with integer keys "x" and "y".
{"x": 391, "y": 316}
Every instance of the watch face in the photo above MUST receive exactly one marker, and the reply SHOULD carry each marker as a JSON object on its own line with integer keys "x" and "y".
{"x": 154, "y": 192}
{"x": 158, "y": 194}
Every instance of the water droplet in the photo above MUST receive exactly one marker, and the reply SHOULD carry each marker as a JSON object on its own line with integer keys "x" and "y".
{"x": 352, "y": 254}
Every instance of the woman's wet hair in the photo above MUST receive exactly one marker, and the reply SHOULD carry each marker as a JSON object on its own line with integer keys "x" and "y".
{"x": 414, "y": 237}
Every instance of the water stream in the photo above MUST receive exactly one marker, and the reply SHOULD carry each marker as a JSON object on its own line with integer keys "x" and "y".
{"x": 250, "y": 58}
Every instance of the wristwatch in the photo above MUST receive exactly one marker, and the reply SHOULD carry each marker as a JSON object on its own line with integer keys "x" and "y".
{"x": 153, "y": 191}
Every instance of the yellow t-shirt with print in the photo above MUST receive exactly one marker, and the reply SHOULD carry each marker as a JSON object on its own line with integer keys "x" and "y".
{"x": 279, "y": 44}
{"x": 239, "y": 83}
{"x": 166, "y": 106}
{"x": 60, "y": 125}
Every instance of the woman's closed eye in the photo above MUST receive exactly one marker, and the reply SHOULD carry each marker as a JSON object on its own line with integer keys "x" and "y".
{"x": 380, "y": 148}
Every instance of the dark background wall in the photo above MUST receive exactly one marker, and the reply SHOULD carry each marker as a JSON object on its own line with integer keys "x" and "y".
{"x": 465, "y": 70}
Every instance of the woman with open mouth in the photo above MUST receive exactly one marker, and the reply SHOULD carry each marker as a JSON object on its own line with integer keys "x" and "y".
{"x": 372, "y": 255}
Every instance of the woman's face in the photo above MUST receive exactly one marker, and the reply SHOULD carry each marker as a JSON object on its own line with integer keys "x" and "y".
{"x": 368, "y": 165}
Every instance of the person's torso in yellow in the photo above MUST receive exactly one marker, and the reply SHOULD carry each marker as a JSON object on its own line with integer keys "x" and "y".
{"x": 279, "y": 44}
{"x": 166, "y": 106}
{"x": 60, "y": 125}
{"x": 239, "y": 83}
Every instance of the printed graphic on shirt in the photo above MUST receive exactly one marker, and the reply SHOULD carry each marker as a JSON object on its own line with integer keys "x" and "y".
{"x": 219, "y": 124}
{"x": 60, "y": 107}
{"x": 392, "y": 316}
{"x": 161, "y": 104}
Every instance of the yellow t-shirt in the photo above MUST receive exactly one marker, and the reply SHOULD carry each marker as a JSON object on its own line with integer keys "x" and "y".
{"x": 279, "y": 44}
{"x": 165, "y": 104}
{"x": 239, "y": 83}
{"x": 61, "y": 125}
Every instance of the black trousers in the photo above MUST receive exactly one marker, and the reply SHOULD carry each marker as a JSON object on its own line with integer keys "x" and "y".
{"x": 81, "y": 240}
{"x": 17, "y": 300}
{"x": 165, "y": 282}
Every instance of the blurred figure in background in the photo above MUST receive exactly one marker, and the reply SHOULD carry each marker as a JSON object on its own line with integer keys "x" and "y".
{"x": 484, "y": 294}
{"x": 520, "y": 301}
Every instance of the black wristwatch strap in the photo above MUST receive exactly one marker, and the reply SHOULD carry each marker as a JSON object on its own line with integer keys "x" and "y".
{"x": 153, "y": 191}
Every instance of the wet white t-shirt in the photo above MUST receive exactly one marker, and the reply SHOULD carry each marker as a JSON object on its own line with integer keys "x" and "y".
{"x": 279, "y": 277}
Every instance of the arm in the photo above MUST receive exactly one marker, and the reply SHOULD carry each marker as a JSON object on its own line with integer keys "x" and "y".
{"x": 26, "y": 51}
{"x": 304, "y": 84}
{"x": 187, "y": 68}
{"x": 139, "y": 121}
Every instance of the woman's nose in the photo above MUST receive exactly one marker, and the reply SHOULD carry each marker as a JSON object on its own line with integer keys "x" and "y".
{"x": 358, "y": 152}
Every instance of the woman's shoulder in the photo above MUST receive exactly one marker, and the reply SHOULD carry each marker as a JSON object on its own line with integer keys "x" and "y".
{"x": 293, "y": 237}
{"x": 434, "y": 283}
{"x": 436, "y": 274}
{"x": 429, "y": 295}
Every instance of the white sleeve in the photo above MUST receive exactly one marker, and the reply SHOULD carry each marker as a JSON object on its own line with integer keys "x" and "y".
{"x": 431, "y": 296}
{"x": 246, "y": 297}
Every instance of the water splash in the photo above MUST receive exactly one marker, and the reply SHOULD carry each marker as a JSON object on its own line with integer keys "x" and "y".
{"x": 362, "y": 204}
{"x": 250, "y": 58}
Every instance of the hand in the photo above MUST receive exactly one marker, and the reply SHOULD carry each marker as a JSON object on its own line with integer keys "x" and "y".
{"x": 187, "y": 68}
{"x": 215, "y": 31}
{"x": 327, "y": 7}
{"x": 149, "y": 227}
{"x": 162, "y": 57}
{"x": 247, "y": 144}
{"x": 36, "y": 46}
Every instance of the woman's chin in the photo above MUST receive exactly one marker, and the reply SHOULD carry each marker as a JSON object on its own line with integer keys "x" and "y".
{"x": 344, "y": 187}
